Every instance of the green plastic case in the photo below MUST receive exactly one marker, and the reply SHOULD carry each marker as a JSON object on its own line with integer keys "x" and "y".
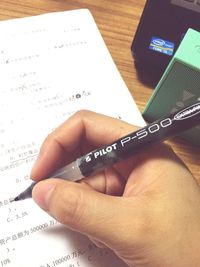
{"x": 179, "y": 86}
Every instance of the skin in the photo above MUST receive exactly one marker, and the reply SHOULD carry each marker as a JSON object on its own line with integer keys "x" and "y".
{"x": 146, "y": 209}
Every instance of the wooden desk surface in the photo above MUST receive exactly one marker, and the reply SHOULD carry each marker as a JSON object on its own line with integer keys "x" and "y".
{"x": 117, "y": 21}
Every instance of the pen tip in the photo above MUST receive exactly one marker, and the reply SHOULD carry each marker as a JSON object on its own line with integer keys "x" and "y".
{"x": 15, "y": 199}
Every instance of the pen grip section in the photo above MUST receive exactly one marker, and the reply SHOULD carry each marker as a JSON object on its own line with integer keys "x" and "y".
{"x": 135, "y": 142}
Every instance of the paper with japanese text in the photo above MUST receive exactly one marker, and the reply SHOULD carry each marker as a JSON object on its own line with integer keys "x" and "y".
{"x": 51, "y": 65}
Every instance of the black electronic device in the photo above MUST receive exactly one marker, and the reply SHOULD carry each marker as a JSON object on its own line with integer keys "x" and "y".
{"x": 162, "y": 27}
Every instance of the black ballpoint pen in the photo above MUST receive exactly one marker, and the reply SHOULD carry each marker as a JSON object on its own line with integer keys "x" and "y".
{"x": 126, "y": 146}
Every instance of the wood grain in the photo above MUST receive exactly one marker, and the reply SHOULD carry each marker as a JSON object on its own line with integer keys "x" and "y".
{"x": 117, "y": 20}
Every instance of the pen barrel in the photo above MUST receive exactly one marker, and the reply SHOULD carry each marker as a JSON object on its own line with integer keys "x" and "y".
{"x": 135, "y": 142}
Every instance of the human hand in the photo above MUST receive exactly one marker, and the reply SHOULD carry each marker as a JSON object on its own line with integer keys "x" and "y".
{"x": 146, "y": 209}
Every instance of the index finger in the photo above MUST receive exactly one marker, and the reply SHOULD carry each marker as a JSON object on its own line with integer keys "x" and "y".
{"x": 81, "y": 133}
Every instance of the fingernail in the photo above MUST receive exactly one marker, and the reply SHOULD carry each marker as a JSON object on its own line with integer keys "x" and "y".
{"x": 42, "y": 193}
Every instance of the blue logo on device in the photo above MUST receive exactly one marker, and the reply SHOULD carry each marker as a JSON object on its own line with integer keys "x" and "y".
{"x": 161, "y": 46}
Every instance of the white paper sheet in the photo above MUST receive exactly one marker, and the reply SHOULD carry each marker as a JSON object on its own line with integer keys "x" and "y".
{"x": 50, "y": 66}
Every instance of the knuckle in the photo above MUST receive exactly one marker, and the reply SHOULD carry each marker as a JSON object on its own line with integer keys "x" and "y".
{"x": 80, "y": 114}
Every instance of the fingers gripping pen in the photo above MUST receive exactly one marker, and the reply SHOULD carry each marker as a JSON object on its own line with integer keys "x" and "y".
{"x": 126, "y": 146}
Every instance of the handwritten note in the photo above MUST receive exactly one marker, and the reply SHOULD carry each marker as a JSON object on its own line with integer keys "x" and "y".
{"x": 51, "y": 66}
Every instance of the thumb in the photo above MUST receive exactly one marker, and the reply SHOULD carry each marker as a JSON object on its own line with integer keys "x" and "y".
{"x": 81, "y": 208}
